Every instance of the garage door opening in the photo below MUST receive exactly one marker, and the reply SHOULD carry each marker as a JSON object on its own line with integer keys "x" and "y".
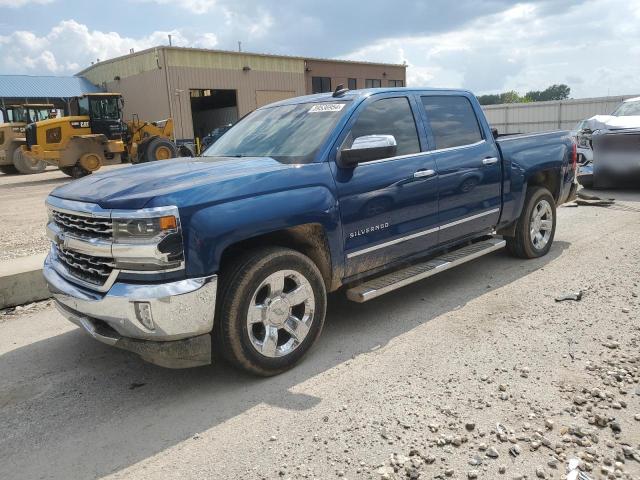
{"x": 211, "y": 109}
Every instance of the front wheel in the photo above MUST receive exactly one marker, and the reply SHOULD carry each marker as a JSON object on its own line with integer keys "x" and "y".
{"x": 76, "y": 171}
{"x": 160, "y": 149}
{"x": 536, "y": 226}
{"x": 26, "y": 165}
{"x": 271, "y": 310}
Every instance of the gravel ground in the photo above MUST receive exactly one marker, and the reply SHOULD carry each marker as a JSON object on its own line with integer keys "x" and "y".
{"x": 22, "y": 213}
{"x": 465, "y": 375}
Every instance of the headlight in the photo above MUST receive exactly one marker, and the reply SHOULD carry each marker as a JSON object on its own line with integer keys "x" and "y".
{"x": 148, "y": 243}
{"x": 144, "y": 230}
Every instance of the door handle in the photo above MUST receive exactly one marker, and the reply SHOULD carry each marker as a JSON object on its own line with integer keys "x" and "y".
{"x": 424, "y": 174}
{"x": 490, "y": 161}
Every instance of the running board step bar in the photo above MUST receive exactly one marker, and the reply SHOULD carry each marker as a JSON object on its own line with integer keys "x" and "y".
{"x": 392, "y": 281}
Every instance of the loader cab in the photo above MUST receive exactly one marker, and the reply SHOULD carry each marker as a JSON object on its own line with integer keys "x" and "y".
{"x": 28, "y": 113}
{"x": 104, "y": 112}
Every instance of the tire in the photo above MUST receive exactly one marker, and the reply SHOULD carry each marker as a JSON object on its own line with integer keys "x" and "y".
{"x": 252, "y": 281}
{"x": 184, "y": 151}
{"x": 160, "y": 149}
{"x": 8, "y": 169}
{"x": 76, "y": 171}
{"x": 522, "y": 245}
{"x": 26, "y": 166}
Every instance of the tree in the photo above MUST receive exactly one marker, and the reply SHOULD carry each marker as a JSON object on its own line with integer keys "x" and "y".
{"x": 554, "y": 92}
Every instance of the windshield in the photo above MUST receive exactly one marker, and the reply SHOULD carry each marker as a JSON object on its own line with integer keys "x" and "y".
{"x": 38, "y": 114}
{"x": 627, "y": 109}
{"x": 104, "y": 108}
{"x": 289, "y": 133}
{"x": 16, "y": 115}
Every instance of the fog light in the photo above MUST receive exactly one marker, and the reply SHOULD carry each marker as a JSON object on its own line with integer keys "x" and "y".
{"x": 143, "y": 314}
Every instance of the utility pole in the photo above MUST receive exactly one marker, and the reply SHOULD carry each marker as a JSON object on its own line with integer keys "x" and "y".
{"x": 239, "y": 46}
{"x": 169, "y": 39}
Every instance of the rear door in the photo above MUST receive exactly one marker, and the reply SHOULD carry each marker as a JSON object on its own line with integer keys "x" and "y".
{"x": 389, "y": 207}
{"x": 468, "y": 165}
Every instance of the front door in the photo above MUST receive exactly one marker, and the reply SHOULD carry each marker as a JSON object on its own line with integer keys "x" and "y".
{"x": 468, "y": 165}
{"x": 389, "y": 207}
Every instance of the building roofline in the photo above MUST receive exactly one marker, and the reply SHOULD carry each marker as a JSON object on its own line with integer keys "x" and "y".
{"x": 233, "y": 52}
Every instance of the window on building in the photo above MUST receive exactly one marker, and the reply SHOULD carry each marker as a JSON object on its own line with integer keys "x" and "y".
{"x": 353, "y": 84}
{"x": 372, "y": 83}
{"x": 452, "y": 120}
{"x": 396, "y": 83}
{"x": 389, "y": 116}
{"x": 320, "y": 84}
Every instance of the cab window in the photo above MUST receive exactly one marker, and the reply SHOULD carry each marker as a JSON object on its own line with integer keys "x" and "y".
{"x": 83, "y": 106}
{"x": 104, "y": 108}
{"x": 388, "y": 116}
{"x": 453, "y": 121}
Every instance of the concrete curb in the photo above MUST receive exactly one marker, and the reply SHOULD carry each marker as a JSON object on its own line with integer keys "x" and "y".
{"x": 21, "y": 281}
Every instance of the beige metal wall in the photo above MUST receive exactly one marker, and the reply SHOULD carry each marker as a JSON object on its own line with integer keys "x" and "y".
{"x": 340, "y": 72}
{"x": 265, "y": 97}
{"x": 246, "y": 73}
{"x": 545, "y": 116}
{"x": 144, "y": 94}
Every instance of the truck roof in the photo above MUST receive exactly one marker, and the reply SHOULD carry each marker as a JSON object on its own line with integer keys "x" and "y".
{"x": 361, "y": 94}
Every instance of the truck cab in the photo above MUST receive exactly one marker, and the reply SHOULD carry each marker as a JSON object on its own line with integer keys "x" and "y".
{"x": 233, "y": 253}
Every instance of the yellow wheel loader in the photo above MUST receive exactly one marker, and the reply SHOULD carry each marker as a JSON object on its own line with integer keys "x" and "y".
{"x": 12, "y": 137}
{"x": 80, "y": 144}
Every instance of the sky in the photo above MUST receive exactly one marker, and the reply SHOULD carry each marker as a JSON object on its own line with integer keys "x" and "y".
{"x": 487, "y": 46}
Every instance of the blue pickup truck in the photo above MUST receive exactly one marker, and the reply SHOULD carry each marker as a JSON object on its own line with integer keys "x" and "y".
{"x": 233, "y": 253}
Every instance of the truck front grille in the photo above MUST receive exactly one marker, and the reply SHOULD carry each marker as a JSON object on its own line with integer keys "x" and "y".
{"x": 83, "y": 226}
{"x": 89, "y": 269}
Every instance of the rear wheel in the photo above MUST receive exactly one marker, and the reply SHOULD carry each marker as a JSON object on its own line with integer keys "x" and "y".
{"x": 26, "y": 165}
{"x": 76, "y": 171}
{"x": 160, "y": 149}
{"x": 271, "y": 310}
{"x": 8, "y": 169}
{"x": 536, "y": 226}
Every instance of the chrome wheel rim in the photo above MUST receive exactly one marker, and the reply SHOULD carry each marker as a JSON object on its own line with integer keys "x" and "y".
{"x": 281, "y": 313}
{"x": 541, "y": 224}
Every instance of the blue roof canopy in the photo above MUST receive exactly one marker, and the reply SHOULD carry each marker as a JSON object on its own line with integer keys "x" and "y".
{"x": 27, "y": 86}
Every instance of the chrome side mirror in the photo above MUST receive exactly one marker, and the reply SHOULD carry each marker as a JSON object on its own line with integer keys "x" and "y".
{"x": 366, "y": 149}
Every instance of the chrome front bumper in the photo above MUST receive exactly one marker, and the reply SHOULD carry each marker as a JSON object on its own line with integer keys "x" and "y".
{"x": 157, "y": 321}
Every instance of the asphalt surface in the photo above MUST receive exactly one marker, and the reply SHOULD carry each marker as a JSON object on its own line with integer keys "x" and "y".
{"x": 22, "y": 212}
{"x": 474, "y": 362}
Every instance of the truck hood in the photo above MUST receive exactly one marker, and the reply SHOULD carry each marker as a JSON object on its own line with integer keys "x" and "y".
{"x": 169, "y": 181}
{"x": 609, "y": 122}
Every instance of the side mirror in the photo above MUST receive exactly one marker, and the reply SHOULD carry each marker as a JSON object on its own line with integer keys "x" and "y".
{"x": 495, "y": 133}
{"x": 366, "y": 149}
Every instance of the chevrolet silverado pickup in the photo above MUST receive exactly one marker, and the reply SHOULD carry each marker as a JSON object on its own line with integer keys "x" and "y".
{"x": 231, "y": 255}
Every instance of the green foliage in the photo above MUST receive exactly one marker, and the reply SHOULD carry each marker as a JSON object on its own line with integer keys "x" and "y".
{"x": 554, "y": 92}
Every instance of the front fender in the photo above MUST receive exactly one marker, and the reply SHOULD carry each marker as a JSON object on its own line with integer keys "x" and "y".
{"x": 210, "y": 230}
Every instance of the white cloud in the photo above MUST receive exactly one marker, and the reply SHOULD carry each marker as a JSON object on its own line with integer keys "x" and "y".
{"x": 523, "y": 49}
{"x": 22, "y": 3}
{"x": 195, "y": 6}
{"x": 70, "y": 46}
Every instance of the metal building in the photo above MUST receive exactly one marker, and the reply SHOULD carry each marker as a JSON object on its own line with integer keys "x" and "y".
{"x": 18, "y": 89}
{"x": 204, "y": 89}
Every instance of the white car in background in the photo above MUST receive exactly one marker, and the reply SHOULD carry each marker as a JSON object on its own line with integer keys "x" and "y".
{"x": 627, "y": 115}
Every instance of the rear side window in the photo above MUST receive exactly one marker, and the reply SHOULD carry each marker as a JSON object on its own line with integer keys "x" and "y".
{"x": 389, "y": 116}
{"x": 453, "y": 121}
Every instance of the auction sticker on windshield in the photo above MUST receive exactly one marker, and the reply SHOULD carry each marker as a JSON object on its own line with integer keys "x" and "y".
{"x": 327, "y": 107}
